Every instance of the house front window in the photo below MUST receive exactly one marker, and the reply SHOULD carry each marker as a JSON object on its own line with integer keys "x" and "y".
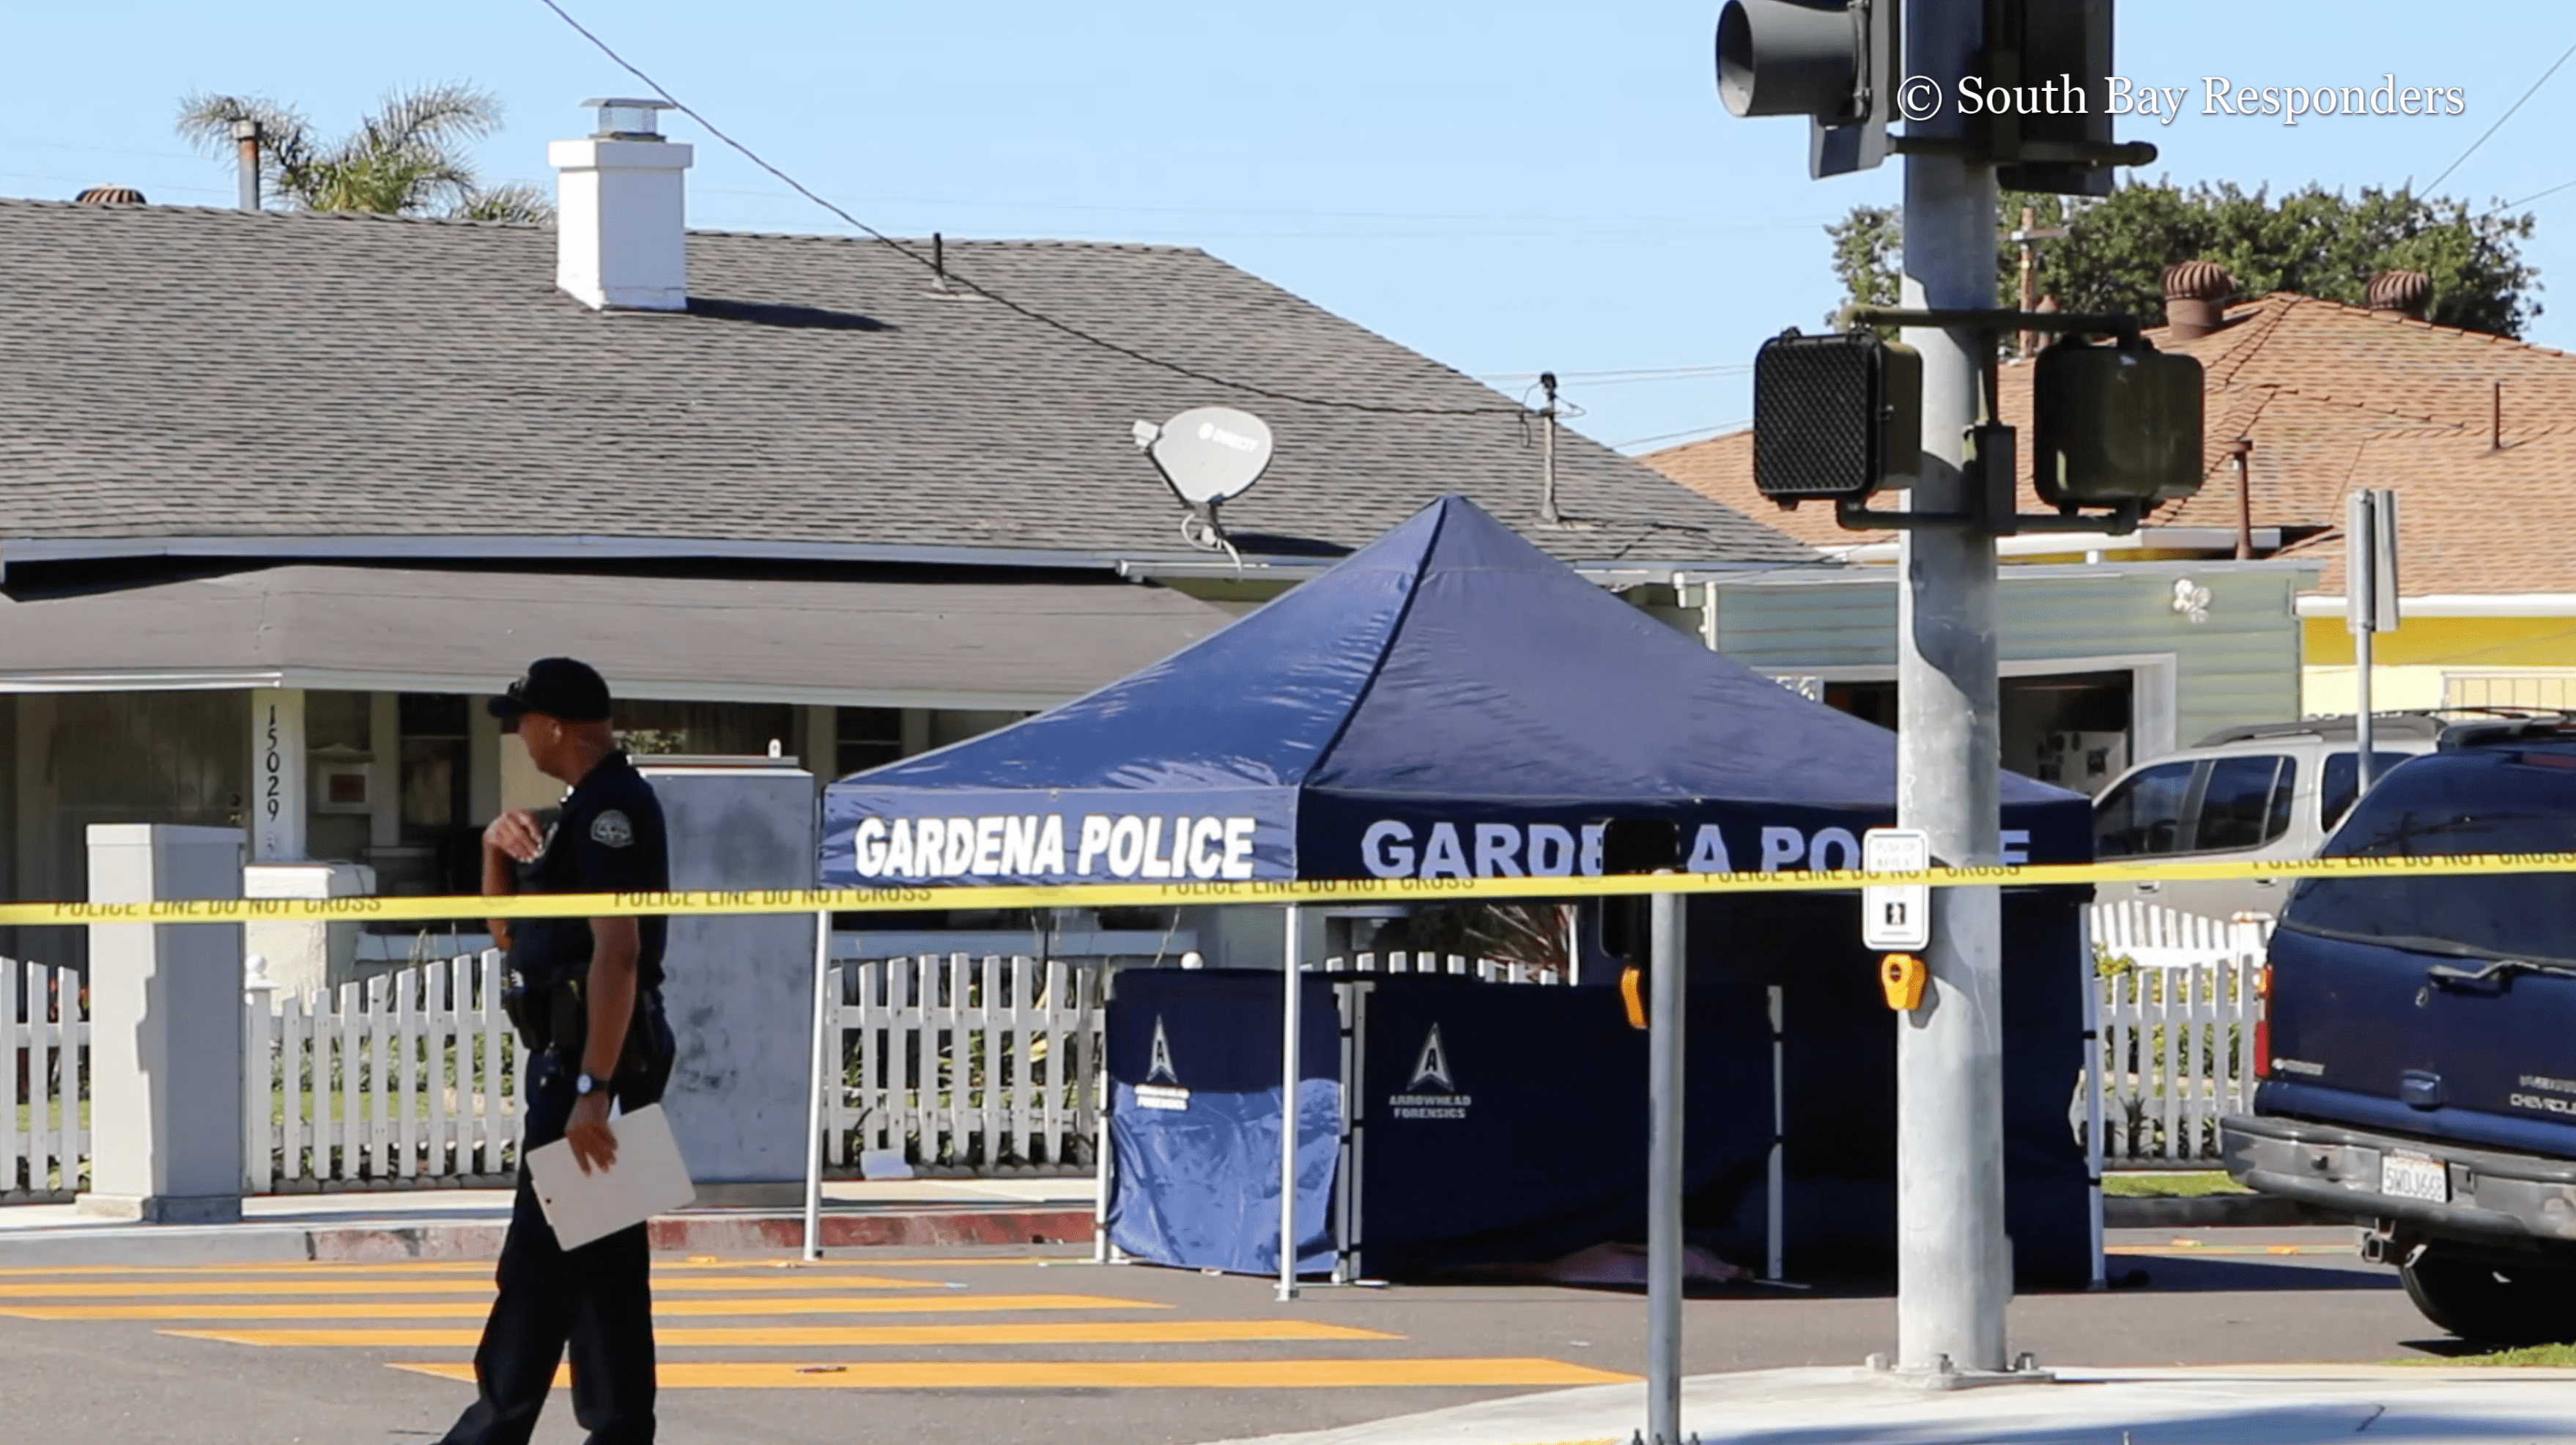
{"x": 651, "y": 728}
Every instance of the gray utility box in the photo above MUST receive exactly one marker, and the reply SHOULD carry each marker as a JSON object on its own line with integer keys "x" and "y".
{"x": 740, "y": 988}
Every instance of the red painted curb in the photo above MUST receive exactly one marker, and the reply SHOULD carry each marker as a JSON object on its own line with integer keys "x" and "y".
{"x": 893, "y": 1228}
{"x": 726, "y": 1233}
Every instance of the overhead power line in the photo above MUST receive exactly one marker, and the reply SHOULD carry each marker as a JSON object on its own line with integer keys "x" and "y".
{"x": 2500, "y": 120}
{"x": 1697, "y": 431}
{"x": 961, "y": 281}
{"x": 1621, "y": 378}
{"x": 2527, "y": 200}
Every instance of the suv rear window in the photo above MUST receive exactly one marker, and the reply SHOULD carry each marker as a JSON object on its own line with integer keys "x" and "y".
{"x": 2240, "y": 802}
{"x": 2144, "y": 814}
{"x": 2342, "y": 781}
{"x": 2245, "y": 803}
{"x": 2504, "y": 801}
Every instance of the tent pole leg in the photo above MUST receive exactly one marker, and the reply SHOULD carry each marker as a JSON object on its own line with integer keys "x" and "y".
{"x": 1775, "y": 1256}
{"x": 1288, "y": 1030}
{"x": 2093, "y": 1086}
{"x": 817, "y": 1116}
{"x": 1101, "y": 1165}
{"x": 1664, "y": 1178}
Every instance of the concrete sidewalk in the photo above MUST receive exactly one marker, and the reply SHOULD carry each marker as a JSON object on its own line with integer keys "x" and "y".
{"x": 2234, "y": 1405}
{"x": 468, "y": 1224}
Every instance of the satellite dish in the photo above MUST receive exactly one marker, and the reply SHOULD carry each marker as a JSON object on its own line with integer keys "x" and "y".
{"x": 1208, "y": 454}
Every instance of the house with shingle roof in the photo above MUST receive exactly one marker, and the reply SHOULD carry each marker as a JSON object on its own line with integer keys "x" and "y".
{"x": 281, "y": 494}
{"x": 2307, "y": 400}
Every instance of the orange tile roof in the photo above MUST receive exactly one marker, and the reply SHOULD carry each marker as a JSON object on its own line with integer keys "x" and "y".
{"x": 2470, "y": 519}
{"x": 2332, "y": 397}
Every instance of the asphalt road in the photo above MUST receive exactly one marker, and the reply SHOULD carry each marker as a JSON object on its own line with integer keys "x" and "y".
{"x": 998, "y": 1348}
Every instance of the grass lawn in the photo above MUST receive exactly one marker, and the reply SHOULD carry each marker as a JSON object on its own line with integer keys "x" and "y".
{"x": 2555, "y": 1356}
{"x": 54, "y": 1117}
{"x": 2171, "y": 1186}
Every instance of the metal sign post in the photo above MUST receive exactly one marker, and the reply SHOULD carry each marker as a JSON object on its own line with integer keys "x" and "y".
{"x": 2369, "y": 606}
{"x": 1664, "y": 1058}
{"x": 815, "y": 1113}
{"x": 1288, "y": 1032}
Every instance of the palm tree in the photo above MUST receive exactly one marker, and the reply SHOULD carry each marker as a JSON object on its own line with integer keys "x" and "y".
{"x": 406, "y": 159}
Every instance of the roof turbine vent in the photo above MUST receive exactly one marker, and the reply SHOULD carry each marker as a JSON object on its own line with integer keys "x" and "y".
{"x": 110, "y": 196}
{"x": 2196, "y": 295}
{"x": 2400, "y": 293}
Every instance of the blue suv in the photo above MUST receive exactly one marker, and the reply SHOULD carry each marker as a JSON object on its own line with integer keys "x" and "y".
{"x": 2418, "y": 1055}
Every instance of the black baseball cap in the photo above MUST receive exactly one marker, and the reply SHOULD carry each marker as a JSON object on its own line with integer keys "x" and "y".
{"x": 558, "y": 687}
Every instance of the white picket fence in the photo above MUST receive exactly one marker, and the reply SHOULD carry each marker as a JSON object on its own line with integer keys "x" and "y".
{"x": 955, "y": 1063}
{"x": 2151, "y": 935}
{"x": 2175, "y": 1030}
{"x": 407, "y": 1079}
{"x": 965, "y": 1064}
{"x": 44, "y": 1083}
{"x": 1488, "y": 969}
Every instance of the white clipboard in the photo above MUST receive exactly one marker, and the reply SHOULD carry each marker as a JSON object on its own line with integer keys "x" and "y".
{"x": 649, "y": 1179}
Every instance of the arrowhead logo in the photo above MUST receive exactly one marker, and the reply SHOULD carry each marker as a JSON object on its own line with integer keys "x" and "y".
{"x": 1433, "y": 1066}
{"x": 1161, "y": 1065}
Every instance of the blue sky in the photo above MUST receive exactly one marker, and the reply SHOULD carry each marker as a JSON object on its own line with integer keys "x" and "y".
{"x": 1505, "y": 186}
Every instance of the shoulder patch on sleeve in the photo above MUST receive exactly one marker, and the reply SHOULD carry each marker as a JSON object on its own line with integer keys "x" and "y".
{"x": 612, "y": 829}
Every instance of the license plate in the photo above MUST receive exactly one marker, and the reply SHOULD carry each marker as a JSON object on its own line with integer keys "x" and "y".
{"x": 2407, "y": 1176}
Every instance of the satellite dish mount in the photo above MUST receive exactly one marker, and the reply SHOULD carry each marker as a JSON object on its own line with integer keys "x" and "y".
{"x": 1208, "y": 456}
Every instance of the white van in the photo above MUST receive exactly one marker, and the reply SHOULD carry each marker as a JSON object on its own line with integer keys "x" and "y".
{"x": 2268, "y": 790}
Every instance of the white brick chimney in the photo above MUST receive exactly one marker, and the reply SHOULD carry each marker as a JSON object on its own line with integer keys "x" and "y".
{"x": 621, "y": 212}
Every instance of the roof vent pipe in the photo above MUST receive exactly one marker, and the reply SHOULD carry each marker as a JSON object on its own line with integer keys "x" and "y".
{"x": 621, "y": 212}
{"x": 2392, "y": 294}
{"x": 2241, "y": 452}
{"x": 2196, "y": 295}
{"x": 246, "y": 139}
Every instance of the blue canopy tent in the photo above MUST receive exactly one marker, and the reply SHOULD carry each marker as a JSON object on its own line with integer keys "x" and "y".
{"x": 1450, "y": 702}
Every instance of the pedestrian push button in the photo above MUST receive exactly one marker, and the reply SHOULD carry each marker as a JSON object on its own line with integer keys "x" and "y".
{"x": 1903, "y": 976}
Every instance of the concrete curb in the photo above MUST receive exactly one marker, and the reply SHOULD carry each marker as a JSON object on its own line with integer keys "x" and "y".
{"x": 2214, "y": 1211}
{"x": 2289, "y": 1404}
{"x": 479, "y": 1237}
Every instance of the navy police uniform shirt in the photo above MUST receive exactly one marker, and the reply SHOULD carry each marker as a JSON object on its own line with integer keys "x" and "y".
{"x": 606, "y": 838}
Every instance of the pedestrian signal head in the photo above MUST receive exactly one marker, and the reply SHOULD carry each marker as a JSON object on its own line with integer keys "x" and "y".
{"x": 2114, "y": 423}
{"x": 1836, "y": 417}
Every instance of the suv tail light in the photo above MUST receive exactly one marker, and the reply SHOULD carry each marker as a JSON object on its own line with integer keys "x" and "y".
{"x": 2263, "y": 1021}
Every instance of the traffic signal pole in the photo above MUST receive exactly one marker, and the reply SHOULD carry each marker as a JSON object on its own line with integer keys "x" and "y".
{"x": 1954, "y": 1274}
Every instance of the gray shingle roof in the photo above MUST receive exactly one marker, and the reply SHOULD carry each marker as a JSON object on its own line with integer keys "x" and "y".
{"x": 180, "y": 372}
{"x": 1002, "y": 644}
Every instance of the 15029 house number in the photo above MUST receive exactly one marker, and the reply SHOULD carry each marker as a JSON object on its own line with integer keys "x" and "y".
{"x": 273, "y": 770}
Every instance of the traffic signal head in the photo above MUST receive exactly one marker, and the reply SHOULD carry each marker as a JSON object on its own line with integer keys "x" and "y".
{"x": 1835, "y": 417}
{"x": 2112, "y": 424}
{"x": 1834, "y": 61}
{"x": 2053, "y": 42}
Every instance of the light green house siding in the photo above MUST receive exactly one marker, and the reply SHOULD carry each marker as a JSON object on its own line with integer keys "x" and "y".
{"x": 2240, "y": 663}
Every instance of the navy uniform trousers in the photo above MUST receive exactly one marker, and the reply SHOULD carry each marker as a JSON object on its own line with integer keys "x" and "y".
{"x": 597, "y": 1299}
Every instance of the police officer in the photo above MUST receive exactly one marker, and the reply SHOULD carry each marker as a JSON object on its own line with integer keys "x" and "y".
{"x": 588, "y": 1003}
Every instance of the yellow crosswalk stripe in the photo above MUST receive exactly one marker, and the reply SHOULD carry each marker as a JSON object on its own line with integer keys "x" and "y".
{"x": 197, "y": 1288}
{"x": 481, "y": 1267}
{"x": 1099, "y": 1332}
{"x": 943, "y": 1303}
{"x": 1097, "y": 1374}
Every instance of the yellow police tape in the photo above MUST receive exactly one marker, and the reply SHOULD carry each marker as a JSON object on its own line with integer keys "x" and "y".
{"x": 1125, "y": 895}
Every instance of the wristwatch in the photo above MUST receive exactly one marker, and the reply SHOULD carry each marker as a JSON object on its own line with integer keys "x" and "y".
{"x": 586, "y": 1083}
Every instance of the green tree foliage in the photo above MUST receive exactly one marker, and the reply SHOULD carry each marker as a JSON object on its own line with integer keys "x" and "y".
{"x": 2313, "y": 241}
{"x": 405, "y": 159}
